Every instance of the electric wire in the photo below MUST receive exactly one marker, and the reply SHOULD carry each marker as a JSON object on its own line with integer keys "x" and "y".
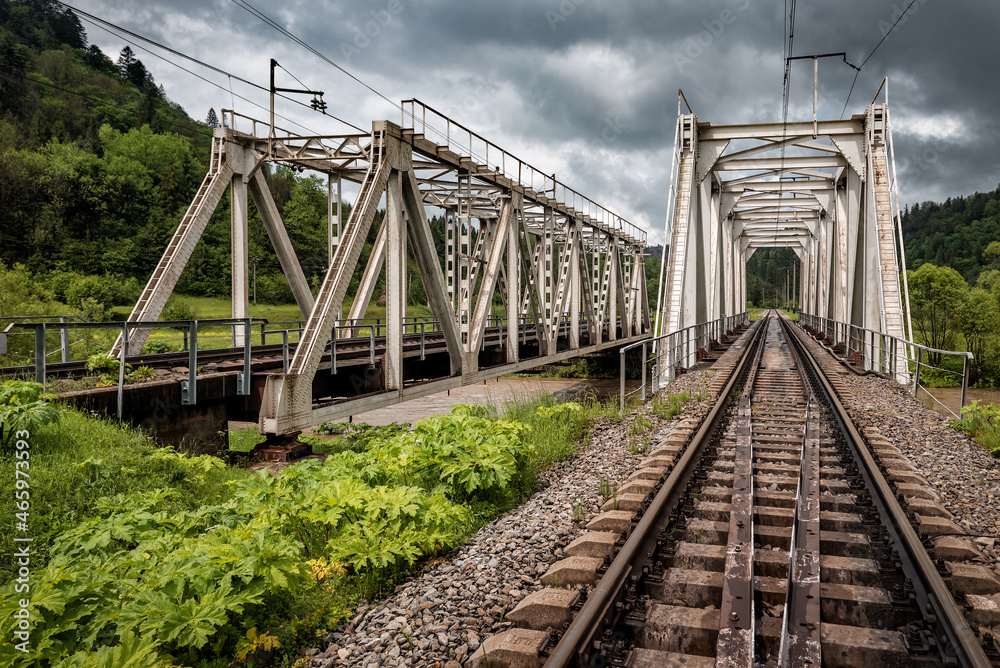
{"x": 253, "y": 11}
{"x": 286, "y": 70}
{"x": 195, "y": 74}
{"x": 97, "y": 20}
{"x": 785, "y": 95}
{"x": 872, "y": 53}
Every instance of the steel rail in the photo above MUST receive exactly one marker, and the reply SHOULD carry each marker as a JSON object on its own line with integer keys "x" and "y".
{"x": 581, "y": 630}
{"x": 951, "y": 625}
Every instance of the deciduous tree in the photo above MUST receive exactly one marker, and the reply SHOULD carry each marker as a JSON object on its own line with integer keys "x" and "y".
{"x": 979, "y": 321}
{"x": 936, "y": 294}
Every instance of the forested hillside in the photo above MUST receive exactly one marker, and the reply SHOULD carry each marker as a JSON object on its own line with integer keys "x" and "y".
{"x": 956, "y": 233}
{"x": 97, "y": 166}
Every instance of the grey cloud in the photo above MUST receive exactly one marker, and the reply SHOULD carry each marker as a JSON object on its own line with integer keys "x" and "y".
{"x": 591, "y": 85}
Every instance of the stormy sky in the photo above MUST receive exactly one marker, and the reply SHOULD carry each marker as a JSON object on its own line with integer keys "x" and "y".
{"x": 588, "y": 88}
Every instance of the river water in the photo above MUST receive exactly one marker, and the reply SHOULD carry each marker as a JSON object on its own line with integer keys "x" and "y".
{"x": 951, "y": 397}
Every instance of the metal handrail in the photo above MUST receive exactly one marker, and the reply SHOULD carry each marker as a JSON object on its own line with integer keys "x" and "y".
{"x": 189, "y": 387}
{"x": 689, "y": 339}
{"x": 512, "y": 167}
{"x": 880, "y": 352}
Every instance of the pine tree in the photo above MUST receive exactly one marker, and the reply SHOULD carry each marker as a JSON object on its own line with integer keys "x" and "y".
{"x": 212, "y": 120}
{"x": 126, "y": 63}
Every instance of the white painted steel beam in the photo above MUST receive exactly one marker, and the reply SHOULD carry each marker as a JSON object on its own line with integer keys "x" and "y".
{"x": 826, "y": 195}
{"x": 566, "y": 266}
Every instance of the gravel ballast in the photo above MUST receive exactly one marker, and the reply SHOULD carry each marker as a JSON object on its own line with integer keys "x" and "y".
{"x": 964, "y": 474}
{"x": 440, "y": 616}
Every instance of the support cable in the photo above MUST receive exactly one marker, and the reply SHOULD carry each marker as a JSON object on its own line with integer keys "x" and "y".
{"x": 872, "y": 53}
{"x": 109, "y": 26}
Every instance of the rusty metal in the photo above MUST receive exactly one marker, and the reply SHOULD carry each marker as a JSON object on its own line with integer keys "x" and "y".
{"x": 735, "y": 645}
{"x": 594, "y": 617}
{"x": 800, "y": 641}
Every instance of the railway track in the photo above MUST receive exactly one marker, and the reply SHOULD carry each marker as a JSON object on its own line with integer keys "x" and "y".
{"x": 767, "y": 534}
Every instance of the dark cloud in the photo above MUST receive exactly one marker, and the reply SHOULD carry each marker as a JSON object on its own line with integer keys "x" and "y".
{"x": 588, "y": 88}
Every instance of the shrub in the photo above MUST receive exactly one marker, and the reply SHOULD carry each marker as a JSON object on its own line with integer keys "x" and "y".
{"x": 982, "y": 423}
{"x": 23, "y": 407}
{"x": 155, "y": 347}
{"x": 93, "y": 310}
{"x": 142, "y": 374}
{"x": 106, "y": 364}
{"x": 178, "y": 309}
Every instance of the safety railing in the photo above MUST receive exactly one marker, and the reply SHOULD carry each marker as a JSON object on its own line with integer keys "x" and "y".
{"x": 680, "y": 349}
{"x": 457, "y": 138}
{"x": 887, "y": 354}
{"x": 65, "y": 347}
{"x": 189, "y": 387}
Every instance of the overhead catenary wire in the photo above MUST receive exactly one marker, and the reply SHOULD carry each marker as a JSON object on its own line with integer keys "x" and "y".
{"x": 253, "y": 11}
{"x": 785, "y": 94}
{"x": 206, "y": 80}
{"x": 872, "y": 53}
{"x": 109, "y": 25}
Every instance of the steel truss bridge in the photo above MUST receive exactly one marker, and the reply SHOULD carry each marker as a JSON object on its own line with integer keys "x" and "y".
{"x": 569, "y": 272}
{"x": 825, "y": 189}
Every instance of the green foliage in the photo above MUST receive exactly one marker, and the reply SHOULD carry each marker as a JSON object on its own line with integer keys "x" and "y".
{"x": 334, "y": 428}
{"x": 142, "y": 374}
{"x": 178, "y": 308}
{"x": 959, "y": 232}
{"x": 671, "y": 405}
{"x": 23, "y": 407}
{"x": 935, "y": 295}
{"x": 79, "y": 460}
{"x": 244, "y": 440}
{"x": 106, "y": 364}
{"x": 982, "y": 423}
{"x": 155, "y": 347}
{"x": 978, "y": 319}
{"x": 204, "y": 571}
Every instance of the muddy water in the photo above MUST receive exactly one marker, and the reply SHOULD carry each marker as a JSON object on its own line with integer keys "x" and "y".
{"x": 494, "y": 392}
{"x": 952, "y": 398}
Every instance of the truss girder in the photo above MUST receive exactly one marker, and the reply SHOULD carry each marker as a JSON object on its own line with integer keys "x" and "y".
{"x": 826, "y": 195}
{"x": 532, "y": 243}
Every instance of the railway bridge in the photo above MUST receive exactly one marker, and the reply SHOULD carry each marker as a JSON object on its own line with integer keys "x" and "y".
{"x": 825, "y": 189}
{"x": 532, "y": 272}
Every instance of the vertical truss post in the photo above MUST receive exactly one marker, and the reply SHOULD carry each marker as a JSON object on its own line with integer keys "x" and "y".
{"x": 40, "y": 354}
{"x": 513, "y": 279}
{"x": 464, "y": 252}
{"x": 333, "y": 203}
{"x": 575, "y": 281}
{"x": 596, "y": 294}
{"x": 395, "y": 288}
{"x": 240, "y": 255}
{"x": 450, "y": 257}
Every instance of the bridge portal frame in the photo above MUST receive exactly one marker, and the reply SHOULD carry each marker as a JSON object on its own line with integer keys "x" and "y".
{"x": 830, "y": 194}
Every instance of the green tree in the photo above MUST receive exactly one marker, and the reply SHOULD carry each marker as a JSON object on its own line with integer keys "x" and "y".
{"x": 126, "y": 61}
{"x": 936, "y": 293}
{"x": 991, "y": 255}
{"x": 212, "y": 120}
{"x": 979, "y": 321}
